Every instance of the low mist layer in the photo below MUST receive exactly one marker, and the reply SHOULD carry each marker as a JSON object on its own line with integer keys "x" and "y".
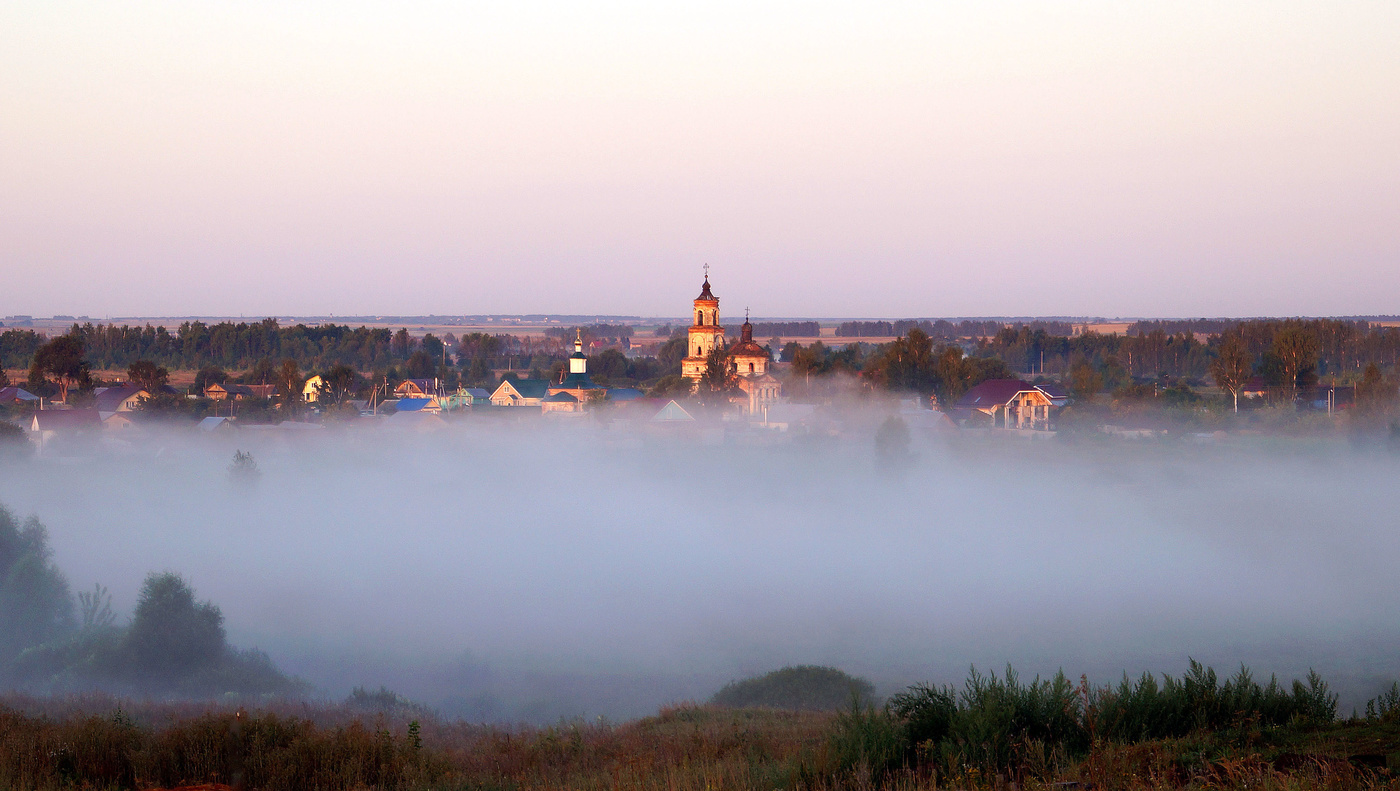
{"x": 527, "y": 572}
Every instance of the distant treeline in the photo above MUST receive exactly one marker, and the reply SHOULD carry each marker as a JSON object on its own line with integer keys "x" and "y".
{"x": 1285, "y": 355}
{"x": 940, "y": 329}
{"x": 611, "y": 333}
{"x": 238, "y": 346}
{"x": 1149, "y": 349}
{"x": 768, "y": 329}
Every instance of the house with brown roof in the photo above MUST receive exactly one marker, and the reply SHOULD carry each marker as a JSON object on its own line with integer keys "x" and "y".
{"x": 416, "y": 388}
{"x": 1012, "y": 404}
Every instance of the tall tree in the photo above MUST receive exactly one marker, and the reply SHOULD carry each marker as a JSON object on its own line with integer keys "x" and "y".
{"x": 338, "y": 383}
{"x": 1373, "y": 392}
{"x": 148, "y": 376}
{"x": 35, "y": 603}
{"x": 907, "y": 364}
{"x": 1297, "y": 349}
{"x": 1232, "y": 366}
{"x": 717, "y": 381}
{"x": 1084, "y": 381}
{"x": 206, "y": 376}
{"x": 61, "y": 360}
{"x": 421, "y": 365}
{"x": 290, "y": 381}
{"x": 171, "y": 633}
{"x": 402, "y": 344}
{"x": 263, "y": 372}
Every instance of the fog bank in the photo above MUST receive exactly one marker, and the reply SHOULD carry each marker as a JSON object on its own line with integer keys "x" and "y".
{"x": 523, "y": 571}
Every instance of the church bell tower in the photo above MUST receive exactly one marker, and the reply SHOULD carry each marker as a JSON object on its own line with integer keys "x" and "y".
{"x": 705, "y": 334}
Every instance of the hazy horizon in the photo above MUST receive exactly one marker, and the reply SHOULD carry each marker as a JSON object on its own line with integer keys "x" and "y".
{"x": 996, "y": 159}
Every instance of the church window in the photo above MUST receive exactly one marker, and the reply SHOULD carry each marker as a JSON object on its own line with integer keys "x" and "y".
{"x": 750, "y": 367}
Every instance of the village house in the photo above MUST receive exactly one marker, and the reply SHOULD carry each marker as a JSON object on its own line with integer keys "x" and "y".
{"x": 46, "y": 425}
{"x": 428, "y": 406}
{"x": 215, "y": 424}
{"x": 119, "y": 421}
{"x": 311, "y": 391}
{"x": 416, "y": 388}
{"x": 17, "y": 395}
{"x": 520, "y": 392}
{"x": 1012, "y": 404}
{"x": 119, "y": 398}
{"x": 236, "y": 392}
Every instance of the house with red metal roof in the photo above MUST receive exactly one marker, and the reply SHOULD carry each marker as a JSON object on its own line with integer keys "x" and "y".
{"x": 1012, "y": 404}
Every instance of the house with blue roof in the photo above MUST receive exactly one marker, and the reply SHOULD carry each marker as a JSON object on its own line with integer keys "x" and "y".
{"x": 428, "y": 406}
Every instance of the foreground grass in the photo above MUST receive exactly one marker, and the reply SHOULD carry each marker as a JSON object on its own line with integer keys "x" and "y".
{"x": 98, "y": 743}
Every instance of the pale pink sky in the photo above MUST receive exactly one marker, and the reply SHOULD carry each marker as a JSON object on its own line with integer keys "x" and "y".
{"x": 828, "y": 159}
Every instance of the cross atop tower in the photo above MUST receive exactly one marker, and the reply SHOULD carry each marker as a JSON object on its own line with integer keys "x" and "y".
{"x": 707, "y": 271}
{"x": 746, "y": 315}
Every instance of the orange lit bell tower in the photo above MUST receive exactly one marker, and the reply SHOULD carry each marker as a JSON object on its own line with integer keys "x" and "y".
{"x": 705, "y": 334}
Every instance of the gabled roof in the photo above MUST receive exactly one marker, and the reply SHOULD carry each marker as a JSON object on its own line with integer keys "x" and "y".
{"x": 624, "y": 394}
{"x": 995, "y": 392}
{"x": 211, "y": 423}
{"x": 12, "y": 394}
{"x": 424, "y": 385}
{"x": 672, "y": 413}
{"x": 992, "y": 392}
{"x": 414, "y": 404}
{"x": 478, "y": 392}
{"x": 560, "y": 397}
{"x": 65, "y": 420}
{"x": 527, "y": 388}
{"x": 112, "y": 397}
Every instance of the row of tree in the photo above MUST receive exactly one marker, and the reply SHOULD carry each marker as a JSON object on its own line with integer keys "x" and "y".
{"x": 1284, "y": 356}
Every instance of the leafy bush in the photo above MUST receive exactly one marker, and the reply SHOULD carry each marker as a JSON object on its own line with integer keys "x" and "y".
{"x": 172, "y": 634}
{"x": 800, "y": 688}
